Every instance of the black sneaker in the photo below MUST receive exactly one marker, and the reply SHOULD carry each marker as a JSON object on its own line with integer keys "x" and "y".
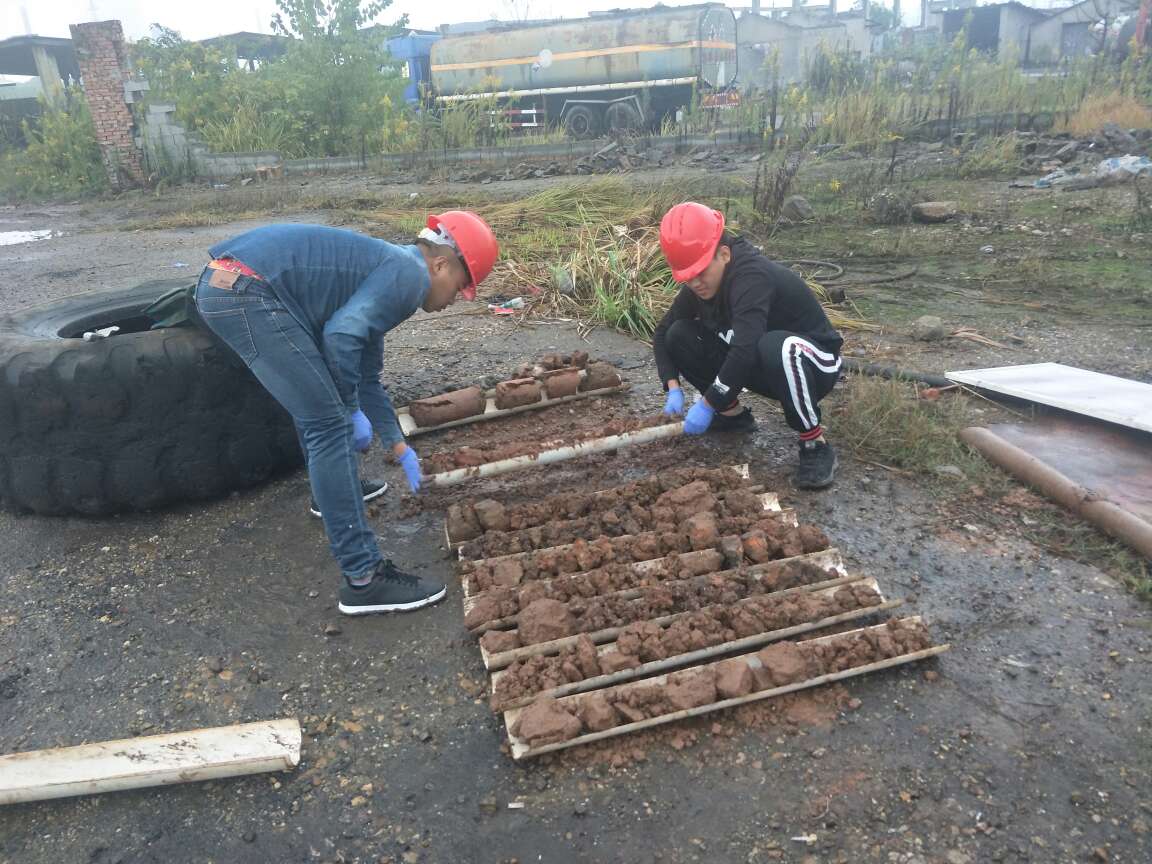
{"x": 390, "y": 590}
{"x": 742, "y": 422}
{"x": 817, "y": 465}
{"x": 368, "y": 488}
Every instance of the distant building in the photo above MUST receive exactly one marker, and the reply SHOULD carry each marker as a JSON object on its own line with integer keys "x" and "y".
{"x": 792, "y": 37}
{"x": 1039, "y": 36}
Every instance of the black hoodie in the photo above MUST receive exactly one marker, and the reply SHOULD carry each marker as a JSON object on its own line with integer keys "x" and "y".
{"x": 756, "y": 295}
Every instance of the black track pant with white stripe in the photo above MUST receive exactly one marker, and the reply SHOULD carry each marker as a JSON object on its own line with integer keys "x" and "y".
{"x": 789, "y": 368}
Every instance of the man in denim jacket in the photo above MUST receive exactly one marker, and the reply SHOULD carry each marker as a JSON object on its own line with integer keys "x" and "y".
{"x": 306, "y": 308}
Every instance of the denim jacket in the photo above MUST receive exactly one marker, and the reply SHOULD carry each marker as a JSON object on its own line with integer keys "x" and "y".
{"x": 347, "y": 290}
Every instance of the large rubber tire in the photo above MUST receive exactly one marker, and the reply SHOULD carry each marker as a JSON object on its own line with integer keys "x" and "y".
{"x": 130, "y": 422}
{"x": 582, "y": 121}
{"x": 622, "y": 118}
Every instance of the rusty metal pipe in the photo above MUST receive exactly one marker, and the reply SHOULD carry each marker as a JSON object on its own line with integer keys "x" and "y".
{"x": 1124, "y": 526}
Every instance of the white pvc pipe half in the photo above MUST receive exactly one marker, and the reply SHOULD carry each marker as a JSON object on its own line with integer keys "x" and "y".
{"x": 560, "y": 454}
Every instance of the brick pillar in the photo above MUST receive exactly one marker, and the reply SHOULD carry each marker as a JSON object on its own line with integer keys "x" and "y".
{"x": 99, "y": 49}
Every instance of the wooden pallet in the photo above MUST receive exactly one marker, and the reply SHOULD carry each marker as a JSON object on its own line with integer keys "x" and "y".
{"x": 828, "y": 559}
{"x": 491, "y": 412}
{"x": 757, "y": 640}
{"x": 656, "y": 672}
{"x": 522, "y": 750}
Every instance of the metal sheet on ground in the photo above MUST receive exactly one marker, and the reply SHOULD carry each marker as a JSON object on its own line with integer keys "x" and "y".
{"x": 1114, "y": 463}
{"x": 1093, "y": 394}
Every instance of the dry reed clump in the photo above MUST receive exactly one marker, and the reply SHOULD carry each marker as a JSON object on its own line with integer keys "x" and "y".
{"x": 1094, "y": 112}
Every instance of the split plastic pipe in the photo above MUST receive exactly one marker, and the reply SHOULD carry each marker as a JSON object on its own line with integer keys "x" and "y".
{"x": 1124, "y": 526}
{"x": 560, "y": 454}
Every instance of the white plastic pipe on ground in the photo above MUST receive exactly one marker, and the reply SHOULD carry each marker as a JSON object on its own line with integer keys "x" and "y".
{"x": 560, "y": 454}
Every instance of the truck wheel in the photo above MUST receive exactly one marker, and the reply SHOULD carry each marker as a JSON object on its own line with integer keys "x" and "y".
{"x": 622, "y": 118}
{"x": 582, "y": 121}
{"x": 136, "y": 420}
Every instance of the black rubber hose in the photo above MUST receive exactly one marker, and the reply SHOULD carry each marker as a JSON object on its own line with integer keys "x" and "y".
{"x": 892, "y": 372}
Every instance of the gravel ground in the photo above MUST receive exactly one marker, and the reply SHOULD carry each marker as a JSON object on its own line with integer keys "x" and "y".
{"x": 1026, "y": 742}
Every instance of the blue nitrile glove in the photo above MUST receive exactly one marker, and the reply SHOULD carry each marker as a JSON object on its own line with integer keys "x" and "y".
{"x": 411, "y": 466}
{"x": 699, "y": 418}
{"x": 674, "y": 404}
{"x": 361, "y": 431}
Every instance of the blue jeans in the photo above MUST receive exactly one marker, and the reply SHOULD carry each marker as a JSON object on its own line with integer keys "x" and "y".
{"x": 286, "y": 360}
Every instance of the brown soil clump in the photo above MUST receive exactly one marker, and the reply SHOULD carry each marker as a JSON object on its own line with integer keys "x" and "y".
{"x": 499, "y": 641}
{"x": 633, "y": 516}
{"x": 645, "y": 641}
{"x": 491, "y": 515}
{"x": 770, "y": 539}
{"x": 447, "y": 407}
{"x": 600, "y": 376}
{"x": 544, "y": 722}
{"x": 517, "y": 392}
{"x": 545, "y": 620}
{"x": 630, "y": 499}
{"x": 775, "y": 666}
{"x": 561, "y": 383}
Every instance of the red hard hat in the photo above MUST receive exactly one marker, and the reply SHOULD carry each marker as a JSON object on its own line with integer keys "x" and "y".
{"x": 689, "y": 235}
{"x": 474, "y": 239}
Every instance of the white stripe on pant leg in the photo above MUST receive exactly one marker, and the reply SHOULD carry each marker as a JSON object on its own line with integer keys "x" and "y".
{"x": 789, "y": 373}
{"x": 804, "y": 389}
{"x": 800, "y": 357}
{"x": 822, "y": 360}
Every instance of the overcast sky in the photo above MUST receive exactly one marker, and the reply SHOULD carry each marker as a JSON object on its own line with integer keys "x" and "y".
{"x": 203, "y": 18}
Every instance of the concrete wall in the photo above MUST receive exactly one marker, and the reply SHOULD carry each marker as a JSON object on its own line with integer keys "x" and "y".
{"x": 170, "y": 147}
{"x": 1015, "y": 26}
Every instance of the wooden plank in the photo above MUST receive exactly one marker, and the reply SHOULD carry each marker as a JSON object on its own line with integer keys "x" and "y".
{"x": 491, "y": 412}
{"x": 827, "y": 559}
{"x": 769, "y": 503}
{"x": 521, "y": 750}
{"x": 692, "y": 657}
{"x": 505, "y": 658}
{"x": 741, "y": 470}
{"x": 157, "y": 760}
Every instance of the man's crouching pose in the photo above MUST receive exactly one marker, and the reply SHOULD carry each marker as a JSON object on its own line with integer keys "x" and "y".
{"x": 742, "y": 322}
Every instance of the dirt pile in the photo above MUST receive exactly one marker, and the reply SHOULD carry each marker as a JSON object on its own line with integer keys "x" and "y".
{"x": 646, "y": 641}
{"x": 769, "y": 539}
{"x": 632, "y": 515}
{"x": 620, "y": 500}
{"x": 505, "y": 602}
{"x": 775, "y": 666}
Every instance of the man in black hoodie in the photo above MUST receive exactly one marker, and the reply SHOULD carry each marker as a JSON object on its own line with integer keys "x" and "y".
{"x": 742, "y": 322}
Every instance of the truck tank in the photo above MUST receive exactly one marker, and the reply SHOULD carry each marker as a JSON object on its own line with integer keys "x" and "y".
{"x": 659, "y": 45}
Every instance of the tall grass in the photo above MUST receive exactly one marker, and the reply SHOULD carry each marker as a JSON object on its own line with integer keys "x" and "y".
{"x": 1125, "y": 110}
{"x": 62, "y": 156}
{"x": 246, "y": 128}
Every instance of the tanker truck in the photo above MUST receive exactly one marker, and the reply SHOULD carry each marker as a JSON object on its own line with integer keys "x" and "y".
{"x": 619, "y": 72}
